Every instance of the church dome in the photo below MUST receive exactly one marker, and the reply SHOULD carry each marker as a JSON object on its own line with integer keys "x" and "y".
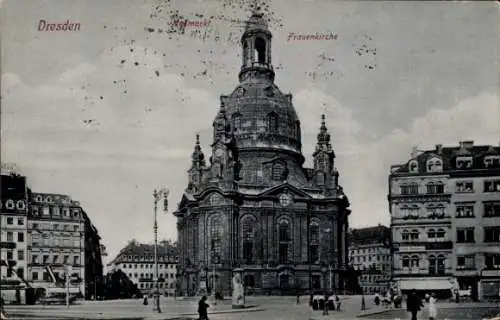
{"x": 260, "y": 115}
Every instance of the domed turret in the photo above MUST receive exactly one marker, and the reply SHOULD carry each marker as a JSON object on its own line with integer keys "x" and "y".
{"x": 260, "y": 115}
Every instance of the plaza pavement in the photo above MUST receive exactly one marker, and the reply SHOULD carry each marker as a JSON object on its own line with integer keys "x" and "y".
{"x": 261, "y": 307}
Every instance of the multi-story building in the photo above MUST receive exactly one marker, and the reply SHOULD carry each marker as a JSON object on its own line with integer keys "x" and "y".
{"x": 254, "y": 209}
{"x": 445, "y": 220}
{"x": 41, "y": 230}
{"x": 136, "y": 260}
{"x": 94, "y": 283}
{"x": 56, "y": 229}
{"x": 13, "y": 240}
{"x": 370, "y": 253}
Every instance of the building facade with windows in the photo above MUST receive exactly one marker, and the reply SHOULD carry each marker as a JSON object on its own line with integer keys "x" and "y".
{"x": 370, "y": 254}
{"x": 254, "y": 210}
{"x": 41, "y": 230}
{"x": 56, "y": 230}
{"x": 136, "y": 260}
{"x": 13, "y": 227}
{"x": 444, "y": 220}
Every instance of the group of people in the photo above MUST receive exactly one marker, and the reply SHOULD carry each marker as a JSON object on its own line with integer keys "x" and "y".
{"x": 414, "y": 304}
{"x": 325, "y": 302}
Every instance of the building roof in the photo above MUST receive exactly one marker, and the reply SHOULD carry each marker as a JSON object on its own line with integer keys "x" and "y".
{"x": 370, "y": 235}
{"x": 134, "y": 248}
{"x": 449, "y": 154}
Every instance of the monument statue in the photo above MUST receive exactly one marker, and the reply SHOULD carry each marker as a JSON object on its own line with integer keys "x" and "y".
{"x": 238, "y": 293}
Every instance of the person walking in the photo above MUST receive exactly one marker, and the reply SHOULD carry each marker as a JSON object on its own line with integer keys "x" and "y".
{"x": 202, "y": 308}
{"x": 432, "y": 307}
{"x": 325, "y": 305}
{"x": 413, "y": 304}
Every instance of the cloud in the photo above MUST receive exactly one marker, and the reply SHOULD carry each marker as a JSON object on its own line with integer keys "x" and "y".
{"x": 107, "y": 134}
{"x": 343, "y": 127}
{"x": 365, "y": 176}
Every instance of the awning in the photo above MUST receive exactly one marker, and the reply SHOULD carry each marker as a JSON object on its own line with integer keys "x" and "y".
{"x": 425, "y": 284}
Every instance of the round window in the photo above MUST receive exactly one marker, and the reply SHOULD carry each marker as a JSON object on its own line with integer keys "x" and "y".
{"x": 21, "y": 205}
{"x": 10, "y": 204}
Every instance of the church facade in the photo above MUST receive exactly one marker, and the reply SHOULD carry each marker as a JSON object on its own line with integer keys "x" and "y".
{"x": 253, "y": 208}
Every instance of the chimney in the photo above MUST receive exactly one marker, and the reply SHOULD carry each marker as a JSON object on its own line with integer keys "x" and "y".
{"x": 414, "y": 152}
{"x": 467, "y": 144}
{"x": 439, "y": 148}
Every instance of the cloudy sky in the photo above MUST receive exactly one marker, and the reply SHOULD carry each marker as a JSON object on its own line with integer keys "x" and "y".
{"x": 110, "y": 112}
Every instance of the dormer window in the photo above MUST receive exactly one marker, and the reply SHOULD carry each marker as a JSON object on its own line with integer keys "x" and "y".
{"x": 236, "y": 121}
{"x": 464, "y": 162}
{"x": 492, "y": 161}
{"x": 272, "y": 122}
{"x": 413, "y": 166}
{"x": 434, "y": 165}
{"x": 277, "y": 171}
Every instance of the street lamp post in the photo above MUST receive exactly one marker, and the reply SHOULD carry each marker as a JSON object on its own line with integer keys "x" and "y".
{"x": 215, "y": 260}
{"x": 157, "y": 196}
{"x": 328, "y": 232}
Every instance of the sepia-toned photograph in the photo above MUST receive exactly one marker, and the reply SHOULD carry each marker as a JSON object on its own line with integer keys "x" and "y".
{"x": 249, "y": 159}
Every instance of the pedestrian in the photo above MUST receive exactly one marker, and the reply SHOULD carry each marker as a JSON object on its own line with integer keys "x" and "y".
{"x": 325, "y": 305}
{"x": 413, "y": 304}
{"x": 145, "y": 300}
{"x": 202, "y": 308}
{"x": 298, "y": 298}
{"x": 337, "y": 302}
{"x": 432, "y": 307}
{"x": 377, "y": 299}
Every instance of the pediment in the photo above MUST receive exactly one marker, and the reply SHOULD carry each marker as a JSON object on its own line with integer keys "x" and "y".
{"x": 213, "y": 198}
{"x": 285, "y": 188}
{"x": 185, "y": 200}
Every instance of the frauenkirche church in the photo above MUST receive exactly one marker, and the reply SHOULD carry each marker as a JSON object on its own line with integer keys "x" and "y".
{"x": 253, "y": 208}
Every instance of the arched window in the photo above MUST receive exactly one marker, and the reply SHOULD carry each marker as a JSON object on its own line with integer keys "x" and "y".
{"x": 272, "y": 122}
{"x": 431, "y": 234}
{"x": 439, "y": 187}
{"x": 248, "y": 239}
{"x": 434, "y": 165}
{"x": 314, "y": 242}
{"x": 440, "y": 233}
{"x": 284, "y": 241}
{"x": 415, "y": 261}
{"x": 413, "y": 165}
{"x": 430, "y": 187}
{"x": 406, "y": 262}
{"x": 249, "y": 280}
{"x": 236, "y": 121}
{"x": 260, "y": 50}
{"x": 277, "y": 171}
{"x": 413, "y": 188}
{"x": 297, "y": 129}
{"x": 405, "y": 235}
{"x": 432, "y": 265}
{"x": 441, "y": 264}
{"x": 414, "y": 234}
{"x": 216, "y": 234}
{"x": 245, "y": 52}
